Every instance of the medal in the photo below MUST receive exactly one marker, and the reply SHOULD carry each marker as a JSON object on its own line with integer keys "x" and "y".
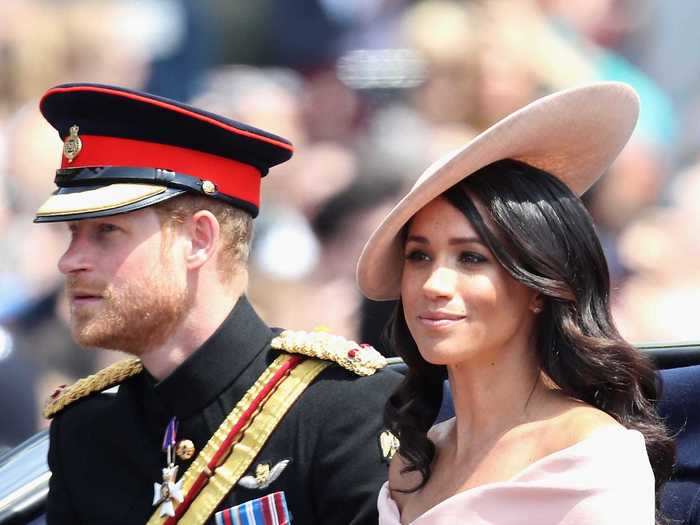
{"x": 169, "y": 492}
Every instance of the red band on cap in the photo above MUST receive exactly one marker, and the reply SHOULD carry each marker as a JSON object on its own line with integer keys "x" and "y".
{"x": 231, "y": 177}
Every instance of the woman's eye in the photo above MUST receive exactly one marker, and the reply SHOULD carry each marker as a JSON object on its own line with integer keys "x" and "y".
{"x": 471, "y": 258}
{"x": 416, "y": 255}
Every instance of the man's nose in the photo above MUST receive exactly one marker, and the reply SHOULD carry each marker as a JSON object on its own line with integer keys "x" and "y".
{"x": 75, "y": 258}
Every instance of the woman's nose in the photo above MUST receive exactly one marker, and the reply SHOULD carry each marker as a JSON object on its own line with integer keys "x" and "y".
{"x": 440, "y": 283}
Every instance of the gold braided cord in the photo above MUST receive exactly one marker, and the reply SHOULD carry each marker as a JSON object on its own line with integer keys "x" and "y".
{"x": 254, "y": 437}
{"x": 105, "y": 378}
{"x": 360, "y": 359}
{"x": 201, "y": 462}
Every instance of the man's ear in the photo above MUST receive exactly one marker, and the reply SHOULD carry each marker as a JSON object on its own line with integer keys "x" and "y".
{"x": 204, "y": 233}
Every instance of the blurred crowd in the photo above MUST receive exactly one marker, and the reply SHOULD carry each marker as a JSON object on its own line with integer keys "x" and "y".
{"x": 370, "y": 92}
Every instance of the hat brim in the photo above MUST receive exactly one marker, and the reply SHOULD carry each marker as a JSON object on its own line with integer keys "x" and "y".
{"x": 85, "y": 202}
{"x": 574, "y": 135}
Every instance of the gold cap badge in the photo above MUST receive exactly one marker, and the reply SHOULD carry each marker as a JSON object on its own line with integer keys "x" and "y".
{"x": 72, "y": 145}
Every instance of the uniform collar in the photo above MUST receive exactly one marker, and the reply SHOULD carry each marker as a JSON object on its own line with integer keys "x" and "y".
{"x": 216, "y": 364}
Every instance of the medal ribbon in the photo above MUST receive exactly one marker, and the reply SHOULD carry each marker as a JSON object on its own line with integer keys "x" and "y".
{"x": 169, "y": 439}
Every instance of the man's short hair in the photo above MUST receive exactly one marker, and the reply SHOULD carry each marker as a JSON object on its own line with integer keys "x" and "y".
{"x": 236, "y": 227}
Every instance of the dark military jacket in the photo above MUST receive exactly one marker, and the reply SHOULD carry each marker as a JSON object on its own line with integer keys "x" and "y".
{"x": 105, "y": 450}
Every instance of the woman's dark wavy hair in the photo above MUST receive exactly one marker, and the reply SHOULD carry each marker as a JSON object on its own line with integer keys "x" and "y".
{"x": 550, "y": 245}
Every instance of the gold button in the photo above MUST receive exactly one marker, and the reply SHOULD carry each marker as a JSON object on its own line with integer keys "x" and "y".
{"x": 184, "y": 449}
{"x": 208, "y": 187}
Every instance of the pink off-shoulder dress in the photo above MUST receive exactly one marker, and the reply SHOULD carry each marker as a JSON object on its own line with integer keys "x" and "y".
{"x": 604, "y": 479}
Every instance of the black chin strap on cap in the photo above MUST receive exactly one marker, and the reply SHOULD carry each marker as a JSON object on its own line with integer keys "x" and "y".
{"x": 105, "y": 175}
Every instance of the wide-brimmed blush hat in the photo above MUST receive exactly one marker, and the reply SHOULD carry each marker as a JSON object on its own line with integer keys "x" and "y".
{"x": 124, "y": 150}
{"x": 574, "y": 135}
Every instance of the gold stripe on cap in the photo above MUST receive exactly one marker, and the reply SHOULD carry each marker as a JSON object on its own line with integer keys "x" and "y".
{"x": 99, "y": 199}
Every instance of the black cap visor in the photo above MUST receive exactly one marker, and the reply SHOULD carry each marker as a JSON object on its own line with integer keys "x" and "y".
{"x": 87, "y": 202}
{"x": 84, "y": 193}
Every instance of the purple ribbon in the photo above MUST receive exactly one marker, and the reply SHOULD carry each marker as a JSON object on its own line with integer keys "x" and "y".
{"x": 170, "y": 434}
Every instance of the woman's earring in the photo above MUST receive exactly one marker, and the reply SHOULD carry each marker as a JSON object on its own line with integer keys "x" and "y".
{"x": 536, "y": 309}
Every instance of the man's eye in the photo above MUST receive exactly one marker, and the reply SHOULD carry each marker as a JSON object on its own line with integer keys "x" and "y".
{"x": 107, "y": 228}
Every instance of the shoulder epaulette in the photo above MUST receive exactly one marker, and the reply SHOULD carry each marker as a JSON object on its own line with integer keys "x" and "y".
{"x": 97, "y": 382}
{"x": 361, "y": 359}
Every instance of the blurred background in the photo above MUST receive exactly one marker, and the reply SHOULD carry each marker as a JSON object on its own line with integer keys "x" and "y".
{"x": 370, "y": 92}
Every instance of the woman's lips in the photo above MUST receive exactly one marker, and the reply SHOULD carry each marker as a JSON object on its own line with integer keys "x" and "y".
{"x": 440, "y": 319}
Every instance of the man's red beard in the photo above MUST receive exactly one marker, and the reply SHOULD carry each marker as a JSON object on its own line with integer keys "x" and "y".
{"x": 134, "y": 318}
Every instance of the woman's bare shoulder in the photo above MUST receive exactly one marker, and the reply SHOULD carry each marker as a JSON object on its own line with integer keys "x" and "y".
{"x": 577, "y": 421}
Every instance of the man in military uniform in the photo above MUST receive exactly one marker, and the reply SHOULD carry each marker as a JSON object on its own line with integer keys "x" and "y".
{"x": 217, "y": 417}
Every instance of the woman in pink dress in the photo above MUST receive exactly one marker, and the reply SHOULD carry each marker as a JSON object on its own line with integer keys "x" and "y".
{"x": 503, "y": 289}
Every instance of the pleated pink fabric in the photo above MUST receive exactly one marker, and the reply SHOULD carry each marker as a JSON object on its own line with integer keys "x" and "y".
{"x": 604, "y": 479}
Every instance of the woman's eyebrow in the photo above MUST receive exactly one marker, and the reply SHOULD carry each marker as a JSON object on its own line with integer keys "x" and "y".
{"x": 464, "y": 240}
{"x": 417, "y": 238}
{"x": 454, "y": 240}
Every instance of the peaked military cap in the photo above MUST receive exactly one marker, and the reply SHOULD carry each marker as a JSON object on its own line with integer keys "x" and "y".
{"x": 124, "y": 150}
